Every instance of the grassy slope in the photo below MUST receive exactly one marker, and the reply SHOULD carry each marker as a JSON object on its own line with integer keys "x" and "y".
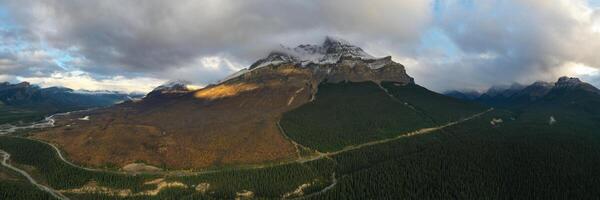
{"x": 350, "y": 113}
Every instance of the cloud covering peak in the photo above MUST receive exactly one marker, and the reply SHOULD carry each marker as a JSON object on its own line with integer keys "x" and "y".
{"x": 480, "y": 42}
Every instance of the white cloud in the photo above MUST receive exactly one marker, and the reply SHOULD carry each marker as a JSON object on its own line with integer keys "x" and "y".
{"x": 7, "y": 78}
{"x": 151, "y": 35}
{"x": 82, "y": 80}
{"x": 579, "y": 69}
{"x": 202, "y": 41}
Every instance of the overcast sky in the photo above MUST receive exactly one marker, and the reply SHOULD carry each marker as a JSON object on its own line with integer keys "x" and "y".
{"x": 136, "y": 45}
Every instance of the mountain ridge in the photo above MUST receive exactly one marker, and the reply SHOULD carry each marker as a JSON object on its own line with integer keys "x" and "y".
{"x": 197, "y": 123}
{"x": 519, "y": 95}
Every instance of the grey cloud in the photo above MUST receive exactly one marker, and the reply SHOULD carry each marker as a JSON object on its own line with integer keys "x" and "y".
{"x": 499, "y": 41}
{"x": 529, "y": 40}
{"x": 155, "y": 35}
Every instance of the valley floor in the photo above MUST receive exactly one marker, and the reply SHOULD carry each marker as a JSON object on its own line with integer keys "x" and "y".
{"x": 327, "y": 182}
{"x": 459, "y": 151}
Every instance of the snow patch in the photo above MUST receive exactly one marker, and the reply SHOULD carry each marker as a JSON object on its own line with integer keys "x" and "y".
{"x": 552, "y": 121}
{"x": 298, "y": 192}
{"x": 330, "y": 52}
{"x": 86, "y": 118}
{"x": 244, "y": 194}
{"x": 97, "y": 92}
{"x": 294, "y": 96}
{"x": 495, "y": 121}
{"x": 203, "y": 187}
{"x": 235, "y": 75}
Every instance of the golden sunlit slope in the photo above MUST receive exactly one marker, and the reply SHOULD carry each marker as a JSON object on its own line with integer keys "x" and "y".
{"x": 230, "y": 123}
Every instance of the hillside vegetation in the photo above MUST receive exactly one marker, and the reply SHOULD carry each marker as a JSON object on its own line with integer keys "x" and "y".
{"x": 523, "y": 155}
{"x": 439, "y": 108}
{"x": 345, "y": 114}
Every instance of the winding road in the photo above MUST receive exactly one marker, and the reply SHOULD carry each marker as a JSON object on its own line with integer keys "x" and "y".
{"x": 54, "y": 193}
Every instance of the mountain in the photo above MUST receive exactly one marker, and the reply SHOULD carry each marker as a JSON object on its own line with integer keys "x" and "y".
{"x": 572, "y": 95}
{"x": 295, "y": 127}
{"x": 517, "y": 95}
{"x": 498, "y": 94}
{"x": 168, "y": 90}
{"x": 24, "y": 99}
{"x": 465, "y": 95}
{"x": 232, "y": 122}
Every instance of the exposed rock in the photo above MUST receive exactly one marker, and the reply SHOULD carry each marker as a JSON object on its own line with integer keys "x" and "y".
{"x": 298, "y": 192}
{"x": 495, "y": 121}
{"x": 244, "y": 194}
{"x": 203, "y": 187}
{"x": 170, "y": 88}
{"x": 564, "y": 82}
{"x": 93, "y": 188}
{"x": 552, "y": 120}
{"x": 140, "y": 167}
{"x": 335, "y": 61}
{"x": 330, "y": 52}
{"x": 574, "y": 83}
{"x": 161, "y": 186}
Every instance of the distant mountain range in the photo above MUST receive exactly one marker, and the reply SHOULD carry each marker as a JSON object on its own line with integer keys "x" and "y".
{"x": 517, "y": 95}
{"x": 20, "y": 98}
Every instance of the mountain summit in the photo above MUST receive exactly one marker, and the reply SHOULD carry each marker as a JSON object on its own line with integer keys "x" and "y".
{"x": 334, "y": 60}
{"x": 574, "y": 83}
{"x": 330, "y": 52}
{"x": 540, "y": 90}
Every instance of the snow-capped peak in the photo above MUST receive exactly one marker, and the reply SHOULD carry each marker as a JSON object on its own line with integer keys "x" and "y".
{"x": 174, "y": 86}
{"x": 543, "y": 84}
{"x": 567, "y": 82}
{"x": 97, "y": 92}
{"x": 329, "y": 52}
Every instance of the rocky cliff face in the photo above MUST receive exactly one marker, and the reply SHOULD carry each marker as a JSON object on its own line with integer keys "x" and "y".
{"x": 575, "y": 83}
{"x": 333, "y": 61}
